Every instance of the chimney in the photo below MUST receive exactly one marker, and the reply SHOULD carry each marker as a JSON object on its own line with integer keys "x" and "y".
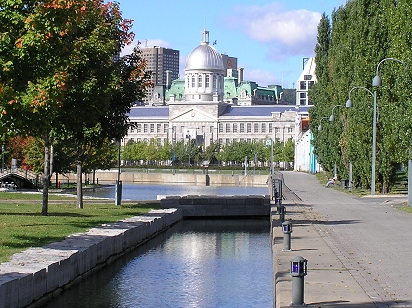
{"x": 168, "y": 83}
{"x": 240, "y": 77}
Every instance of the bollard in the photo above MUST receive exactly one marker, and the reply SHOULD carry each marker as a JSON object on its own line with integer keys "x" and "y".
{"x": 282, "y": 211}
{"x": 287, "y": 230}
{"x": 298, "y": 269}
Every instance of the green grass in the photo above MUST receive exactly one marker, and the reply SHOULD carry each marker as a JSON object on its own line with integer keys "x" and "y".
{"x": 22, "y": 226}
{"x": 31, "y": 196}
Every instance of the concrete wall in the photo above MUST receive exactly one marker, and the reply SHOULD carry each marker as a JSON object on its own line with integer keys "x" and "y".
{"x": 198, "y": 178}
{"x": 213, "y": 206}
{"x": 36, "y": 273}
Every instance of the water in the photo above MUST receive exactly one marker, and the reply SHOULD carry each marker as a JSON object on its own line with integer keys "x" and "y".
{"x": 196, "y": 263}
{"x": 151, "y": 191}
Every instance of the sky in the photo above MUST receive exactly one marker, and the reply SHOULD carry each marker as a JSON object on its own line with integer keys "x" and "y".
{"x": 270, "y": 39}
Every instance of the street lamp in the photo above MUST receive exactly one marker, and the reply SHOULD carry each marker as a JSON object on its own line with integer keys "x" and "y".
{"x": 349, "y": 105}
{"x": 332, "y": 117}
{"x": 320, "y": 123}
{"x": 376, "y": 82}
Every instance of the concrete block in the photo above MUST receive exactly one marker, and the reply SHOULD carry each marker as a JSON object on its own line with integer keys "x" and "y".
{"x": 9, "y": 288}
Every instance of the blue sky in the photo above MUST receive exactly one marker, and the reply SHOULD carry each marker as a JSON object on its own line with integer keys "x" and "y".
{"x": 269, "y": 38}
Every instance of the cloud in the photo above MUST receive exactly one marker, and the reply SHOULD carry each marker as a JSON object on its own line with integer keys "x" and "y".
{"x": 142, "y": 44}
{"x": 288, "y": 33}
{"x": 261, "y": 77}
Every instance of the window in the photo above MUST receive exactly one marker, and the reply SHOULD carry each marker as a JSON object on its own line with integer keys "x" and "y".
{"x": 139, "y": 128}
{"x": 227, "y": 127}
{"x": 277, "y": 129}
{"x": 242, "y": 127}
{"x": 158, "y": 128}
{"x": 165, "y": 127}
{"x": 235, "y": 127}
{"x": 256, "y": 128}
{"x": 303, "y": 85}
{"x": 263, "y": 127}
{"x": 310, "y": 84}
{"x": 227, "y": 140}
{"x": 270, "y": 127}
{"x": 152, "y": 128}
{"x": 193, "y": 81}
{"x": 290, "y": 129}
{"x": 220, "y": 141}
{"x": 249, "y": 127}
{"x": 220, "y": 127}
{"x": 207, "y": 81}
{"x": 199, "y": 81}
{"x": 145, "y": 128}
{"x": 302, "y": 95}
{"x": 307, "y": 77}
{"x": 214, "y": 82}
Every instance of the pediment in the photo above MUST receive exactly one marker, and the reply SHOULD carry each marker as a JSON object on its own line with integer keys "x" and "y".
{"x": 193, "y": 114}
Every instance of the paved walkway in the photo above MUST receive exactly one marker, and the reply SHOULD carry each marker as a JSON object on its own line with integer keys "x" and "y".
{"x": 359, "y": 250}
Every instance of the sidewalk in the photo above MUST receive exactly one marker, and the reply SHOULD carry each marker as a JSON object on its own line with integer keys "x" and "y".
{"x": 341, "y": 269}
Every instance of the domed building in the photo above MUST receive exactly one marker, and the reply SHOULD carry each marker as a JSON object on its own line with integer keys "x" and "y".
{"x": 209, "y": 107}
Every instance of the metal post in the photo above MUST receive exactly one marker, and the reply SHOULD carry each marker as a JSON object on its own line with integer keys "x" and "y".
{"x": 350, "y": 176}
{"x": 2, "y": 158}
{"x": 409, "y": 179}
{"x": 271, "y": 156}
{"x": 373, "y": 144}
{"x": 287, "y": 230}
{"x": 118, "y": 191}
{"x": 299, "y": 271}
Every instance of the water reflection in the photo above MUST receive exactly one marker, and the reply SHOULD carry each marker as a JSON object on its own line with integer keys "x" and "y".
{"x": 150, "y": 191}
{"x": 196, "y": 263}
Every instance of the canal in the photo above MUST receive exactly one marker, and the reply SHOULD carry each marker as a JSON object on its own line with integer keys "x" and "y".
{"x": 195, "y": 263}
{"x": 133, "y": 191}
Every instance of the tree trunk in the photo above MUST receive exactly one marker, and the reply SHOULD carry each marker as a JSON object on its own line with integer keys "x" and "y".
{"x": 45, "y": 178}
{"x": 79, "y": 186}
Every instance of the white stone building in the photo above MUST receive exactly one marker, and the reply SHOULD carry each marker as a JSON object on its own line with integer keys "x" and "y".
{"x": 202, "y": 112}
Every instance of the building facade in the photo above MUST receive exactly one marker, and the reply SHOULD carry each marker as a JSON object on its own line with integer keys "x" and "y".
{"x": 164, "y": 65}
{"x": 305, "y": 82}
{"x": 209, "y": 107}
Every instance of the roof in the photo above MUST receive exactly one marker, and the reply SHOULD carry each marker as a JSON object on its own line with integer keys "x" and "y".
{"x": 204, "y": 56}
{"x": 149, "y": 112}
{"x": 231, "y": 111}
{"x": 260, "y": 111}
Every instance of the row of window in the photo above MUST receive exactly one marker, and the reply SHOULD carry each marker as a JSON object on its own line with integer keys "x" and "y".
{"x": 194, "y": 80}
{"x": 152, "y": 128}
{"x": 221, "y": 141}
{"x": 223, "y": 128}
{"x": 247, "y": 128}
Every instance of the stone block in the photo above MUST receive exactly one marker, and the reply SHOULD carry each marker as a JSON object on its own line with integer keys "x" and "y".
{"x": 9, "y": 288}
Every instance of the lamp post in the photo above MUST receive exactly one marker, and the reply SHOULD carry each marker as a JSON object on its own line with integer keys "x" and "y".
{"x": 332, "y": 117}
{"x": 118, "y": 190}
{"x": 320, "y": 123}
{"x": 376, "y": 82}
{"x": 349, "y": 105}
{"x": 2, "y": 158}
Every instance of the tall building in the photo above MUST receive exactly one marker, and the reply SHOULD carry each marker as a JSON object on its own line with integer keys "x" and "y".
{"x": 305, "y": 82}
{"x": 164, "y": 64}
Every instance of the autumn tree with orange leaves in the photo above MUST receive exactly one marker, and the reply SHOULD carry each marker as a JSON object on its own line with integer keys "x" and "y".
{"x": 58, "y": 77}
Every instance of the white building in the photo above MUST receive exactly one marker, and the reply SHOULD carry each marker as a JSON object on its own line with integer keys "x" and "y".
{"x": 203, "y": 112}
{"x": 305, "y": 82}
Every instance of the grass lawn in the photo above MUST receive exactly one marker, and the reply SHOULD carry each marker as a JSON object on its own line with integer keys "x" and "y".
{"x": 22, "y": 226}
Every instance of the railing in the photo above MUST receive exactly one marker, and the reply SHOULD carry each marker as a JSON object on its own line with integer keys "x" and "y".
{"x": 26, "y": 174}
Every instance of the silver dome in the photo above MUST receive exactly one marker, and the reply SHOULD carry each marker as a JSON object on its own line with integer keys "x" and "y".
{"x": 204, "y": 57}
